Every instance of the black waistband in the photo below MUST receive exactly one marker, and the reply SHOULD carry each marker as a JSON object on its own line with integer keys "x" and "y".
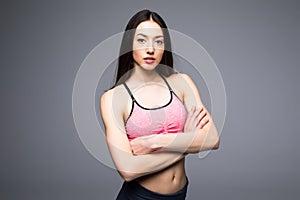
{"x": 136, "y": 189}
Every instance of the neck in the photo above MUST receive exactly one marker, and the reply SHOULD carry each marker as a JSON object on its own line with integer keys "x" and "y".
{"x": 141, "y": 75}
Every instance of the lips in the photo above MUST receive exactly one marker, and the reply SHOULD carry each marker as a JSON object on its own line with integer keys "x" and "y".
{"x": 149, "y": 60}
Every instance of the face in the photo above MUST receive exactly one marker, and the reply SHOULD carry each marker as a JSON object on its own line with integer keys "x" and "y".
{"x": 148, "y": 45}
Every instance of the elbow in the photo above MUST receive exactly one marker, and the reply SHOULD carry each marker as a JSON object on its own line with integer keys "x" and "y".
{"x": 215, "y": 140}
{"x": 211, "y": 143}
{"x": 217, "y": 143}
{"x": 127, "y": 176}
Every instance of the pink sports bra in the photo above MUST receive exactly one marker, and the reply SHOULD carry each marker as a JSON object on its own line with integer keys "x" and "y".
{"x": 169, "y": 118}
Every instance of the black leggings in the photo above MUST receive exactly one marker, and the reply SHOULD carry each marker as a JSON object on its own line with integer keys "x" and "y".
{"x": 134, "y": 191}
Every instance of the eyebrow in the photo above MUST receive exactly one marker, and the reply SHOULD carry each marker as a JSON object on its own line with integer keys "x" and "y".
{"x": 158, "y": 36}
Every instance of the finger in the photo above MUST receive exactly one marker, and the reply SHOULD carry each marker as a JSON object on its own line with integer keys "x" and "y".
{"x": 201, "y": 118}
{"x": 133, "y": 151}
{"x": 199, "y": 125}
{"x": 203, "y": 122}
{"x": 202, "y": 115}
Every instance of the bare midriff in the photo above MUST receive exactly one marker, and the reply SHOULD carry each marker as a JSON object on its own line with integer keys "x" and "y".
{"x": 167, "y": 181}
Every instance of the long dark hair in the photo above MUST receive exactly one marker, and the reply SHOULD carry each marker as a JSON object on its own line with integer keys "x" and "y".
{"x": 125, "y": 61}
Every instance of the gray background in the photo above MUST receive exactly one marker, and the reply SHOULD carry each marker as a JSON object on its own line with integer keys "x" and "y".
{"x": 255, "y": 44}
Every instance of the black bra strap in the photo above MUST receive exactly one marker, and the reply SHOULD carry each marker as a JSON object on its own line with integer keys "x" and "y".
{"x": 166, "y": 82}
{"x": 128, "y": 90}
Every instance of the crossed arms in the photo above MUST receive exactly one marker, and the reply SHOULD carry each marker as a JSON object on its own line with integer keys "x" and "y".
{"x": 158, "y": 151}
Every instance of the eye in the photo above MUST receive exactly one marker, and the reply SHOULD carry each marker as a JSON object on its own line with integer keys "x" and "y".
{"x": 140, "y": 40}
{"x": 159, "y": 42}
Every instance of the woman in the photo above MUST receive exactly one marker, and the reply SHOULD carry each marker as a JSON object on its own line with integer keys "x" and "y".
{"x": 149, "y": 131}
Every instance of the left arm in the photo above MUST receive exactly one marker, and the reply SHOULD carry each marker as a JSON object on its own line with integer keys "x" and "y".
{"x": 190, "y": 141}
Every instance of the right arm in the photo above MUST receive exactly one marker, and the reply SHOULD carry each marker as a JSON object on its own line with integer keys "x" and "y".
{"x": 128, "y": 165}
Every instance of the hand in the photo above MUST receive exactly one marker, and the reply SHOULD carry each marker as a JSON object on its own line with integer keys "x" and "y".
{"x": 143, "y": 145}
{"x": 197, "y": 118}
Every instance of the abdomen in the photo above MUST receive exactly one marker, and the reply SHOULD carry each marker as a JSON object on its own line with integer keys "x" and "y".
{"x": 166, "y": 181}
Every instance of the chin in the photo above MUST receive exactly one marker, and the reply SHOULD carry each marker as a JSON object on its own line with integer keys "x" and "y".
{"x": 149, "y": 67}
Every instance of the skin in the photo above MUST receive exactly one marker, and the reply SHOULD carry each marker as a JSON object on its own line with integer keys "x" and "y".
{"x": 155, "y": 161}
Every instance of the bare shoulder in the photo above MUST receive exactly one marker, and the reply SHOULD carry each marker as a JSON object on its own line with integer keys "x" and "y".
{"x": 187, "y": 88}
{"x": 115, "y": 101}
{"x": 114, "y": 93}
{"x": 107, "y": 97}
{"x": 180, "y": 81}
{"x": 179, "y": 78}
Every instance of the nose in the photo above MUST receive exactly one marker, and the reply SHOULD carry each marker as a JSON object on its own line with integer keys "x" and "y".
{"x": 150, "y": 49}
